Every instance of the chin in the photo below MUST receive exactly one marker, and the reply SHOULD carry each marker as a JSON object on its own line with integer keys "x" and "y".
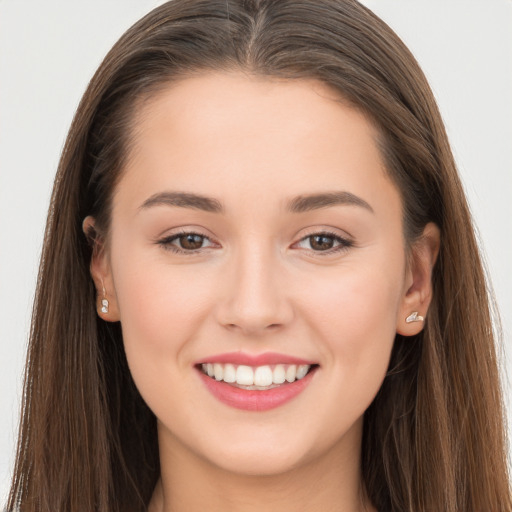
{"x": 267, "y": 452}
{"x": 255, "y": 462}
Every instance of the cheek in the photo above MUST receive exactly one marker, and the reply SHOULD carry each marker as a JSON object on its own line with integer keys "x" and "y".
{"x": 360, "y": 300}
{"x": 159, "y": 307}
{"x": 355, "y": 318}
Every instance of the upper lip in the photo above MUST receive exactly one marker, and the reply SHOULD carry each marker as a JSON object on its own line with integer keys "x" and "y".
{"x": 242, "y": 358}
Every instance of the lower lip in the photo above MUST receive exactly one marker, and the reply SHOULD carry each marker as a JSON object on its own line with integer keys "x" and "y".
{"x": 255, "y": 400}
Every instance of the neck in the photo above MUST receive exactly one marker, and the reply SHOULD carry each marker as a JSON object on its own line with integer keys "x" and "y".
{"x": 329, "y": 482}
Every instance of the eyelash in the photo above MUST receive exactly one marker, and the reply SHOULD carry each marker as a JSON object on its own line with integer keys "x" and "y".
{"x": 167, "y": 243}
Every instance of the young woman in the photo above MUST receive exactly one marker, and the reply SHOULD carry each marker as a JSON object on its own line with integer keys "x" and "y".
{"x": 257, "y": 276}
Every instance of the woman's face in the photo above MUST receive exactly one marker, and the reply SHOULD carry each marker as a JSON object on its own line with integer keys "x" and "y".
{"x": 254, "y": 229}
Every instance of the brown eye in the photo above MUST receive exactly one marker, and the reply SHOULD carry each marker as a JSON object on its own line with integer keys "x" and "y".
{"x": 321, "y": 242}
{"x": 325, "y": 242}
{"x": 186, "y": 243}
{"x": 190, "y": 241}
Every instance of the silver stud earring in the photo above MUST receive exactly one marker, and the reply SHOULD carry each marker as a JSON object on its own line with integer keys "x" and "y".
{"x": 414, "y": 317}
{"x": 104, "y": 302}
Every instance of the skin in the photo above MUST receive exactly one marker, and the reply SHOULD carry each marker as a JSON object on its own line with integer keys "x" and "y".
{"x": 257, "y": 284}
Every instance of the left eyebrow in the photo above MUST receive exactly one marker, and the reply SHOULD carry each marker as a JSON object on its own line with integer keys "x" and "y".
{"x": 304, "y": 203}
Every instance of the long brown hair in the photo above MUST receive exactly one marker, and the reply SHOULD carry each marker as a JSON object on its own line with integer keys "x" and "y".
{"x": 433, "y": 438}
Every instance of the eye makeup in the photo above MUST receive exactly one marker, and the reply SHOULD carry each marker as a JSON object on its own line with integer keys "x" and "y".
{"x": 192, "y": 242}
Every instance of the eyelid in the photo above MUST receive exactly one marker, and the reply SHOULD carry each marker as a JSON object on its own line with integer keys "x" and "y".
{"x": 166, "y": 241}
{"x": 343, "y": 242}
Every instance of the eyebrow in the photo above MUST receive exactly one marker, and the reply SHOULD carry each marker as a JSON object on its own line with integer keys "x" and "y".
{"x": 184, "y": 200}
{"x": 299, "y": 204}
{"x": 309, "y": 202}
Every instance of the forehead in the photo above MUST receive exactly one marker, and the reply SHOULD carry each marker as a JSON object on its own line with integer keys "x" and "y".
{"x": 230, "y": 134}
{"x": 202, "y": 103}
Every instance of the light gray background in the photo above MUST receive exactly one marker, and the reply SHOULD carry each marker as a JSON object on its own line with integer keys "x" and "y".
{"x": 50, "y": 49}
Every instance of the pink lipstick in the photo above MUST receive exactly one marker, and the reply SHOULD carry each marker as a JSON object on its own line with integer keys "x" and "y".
{"x": 255, "y": 382}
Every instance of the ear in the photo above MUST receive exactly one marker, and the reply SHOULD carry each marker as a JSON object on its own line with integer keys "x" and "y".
{"x": 101, "y": 273}
{"x": 418, "y": 282}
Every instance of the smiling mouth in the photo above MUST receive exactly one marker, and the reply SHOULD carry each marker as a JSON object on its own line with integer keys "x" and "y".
{"x": 256, "y": 377}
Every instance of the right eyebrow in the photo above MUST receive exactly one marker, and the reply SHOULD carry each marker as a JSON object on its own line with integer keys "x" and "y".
{"x": 183, "y": 200}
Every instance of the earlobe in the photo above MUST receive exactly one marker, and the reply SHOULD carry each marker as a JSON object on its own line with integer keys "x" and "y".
{"x": 106, "y": 303}
{"x": 418, "y": 291}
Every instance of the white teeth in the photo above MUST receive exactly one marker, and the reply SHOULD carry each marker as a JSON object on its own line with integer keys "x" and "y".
{"x": 302, "y": 370}
{"x": 263, "y": 376}
{"x": 291, "y": 373}
{"x": 229, "y": 373}
{"x": 279, "y": 374}
{"x": 257, "y": 377}
{"x": 245, "y": 375}
{"x": 218, "y": 371}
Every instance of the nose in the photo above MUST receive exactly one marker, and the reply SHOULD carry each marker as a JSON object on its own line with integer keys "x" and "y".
{"x": 255, "y": 298}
